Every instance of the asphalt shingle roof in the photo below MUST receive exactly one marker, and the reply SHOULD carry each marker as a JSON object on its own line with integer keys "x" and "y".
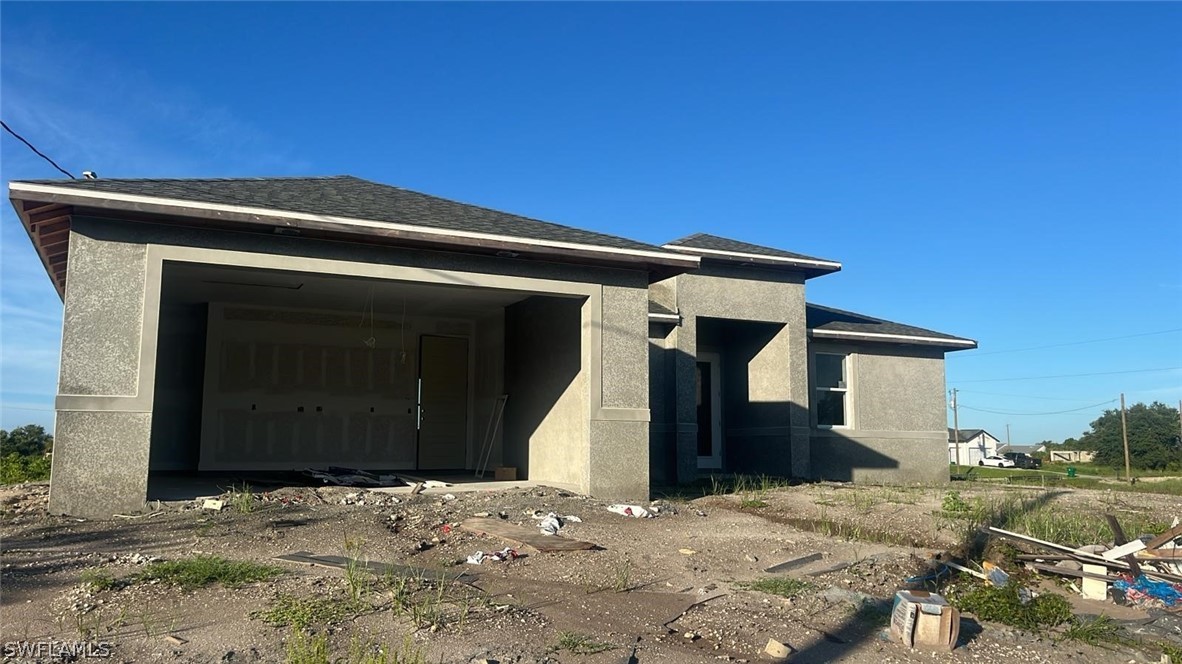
{"x": 716, "y": 243}
{"x": 818, "y": 317}
{"x": 352, "y": 197}
{"x": 965, "y": 434}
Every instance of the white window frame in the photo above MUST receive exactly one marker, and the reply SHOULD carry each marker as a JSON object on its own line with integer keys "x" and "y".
{"x": 846, "y": 392}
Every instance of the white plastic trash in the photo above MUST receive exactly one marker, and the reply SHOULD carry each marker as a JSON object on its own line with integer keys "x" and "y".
{"x": 630, "y": 510}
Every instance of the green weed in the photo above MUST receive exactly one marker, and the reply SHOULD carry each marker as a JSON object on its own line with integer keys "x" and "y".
{"x": 580, "y": 644}
{"x": 1005, "y": 605}
{"x": 241, "y": 498}
{"x": 98, "y": 580}
{"x": 623, "y": 573}
{"x": 1096, "y": 631}
{"x": 304, "y": 648}
{"x": 304, "y": 612}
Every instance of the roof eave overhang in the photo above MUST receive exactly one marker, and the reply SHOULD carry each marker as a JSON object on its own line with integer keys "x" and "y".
{"x": 47, "y": 224}
{"x": 949, "y": 344}
{"x": 660, "y": 264}
{"x": 809, "y": 266}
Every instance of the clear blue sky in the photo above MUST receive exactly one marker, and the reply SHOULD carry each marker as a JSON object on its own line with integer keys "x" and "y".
{"x": 1006, "y": 172}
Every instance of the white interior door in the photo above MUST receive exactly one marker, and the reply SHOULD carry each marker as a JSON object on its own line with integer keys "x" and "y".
{"x": 709, "y": 404}
{"x": 443, "y": 402}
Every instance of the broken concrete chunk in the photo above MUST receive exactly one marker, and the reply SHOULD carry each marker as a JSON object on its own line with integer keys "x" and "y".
{"x": 777, "y": 649}
{"x": 213, "y": 504}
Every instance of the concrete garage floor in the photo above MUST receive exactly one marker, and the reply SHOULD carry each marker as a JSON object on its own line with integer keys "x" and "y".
{"x": 191, "y": 486}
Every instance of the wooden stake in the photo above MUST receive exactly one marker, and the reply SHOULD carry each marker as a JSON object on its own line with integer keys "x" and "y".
{"x": 1124, "y": 431}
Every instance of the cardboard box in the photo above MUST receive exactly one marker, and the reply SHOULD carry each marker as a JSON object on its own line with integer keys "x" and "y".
{"x": 505, "y": 474}
{"x": 921, "y": 619}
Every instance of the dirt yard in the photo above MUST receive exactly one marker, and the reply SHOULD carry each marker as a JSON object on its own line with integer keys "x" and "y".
{"x": 675, "y": 588}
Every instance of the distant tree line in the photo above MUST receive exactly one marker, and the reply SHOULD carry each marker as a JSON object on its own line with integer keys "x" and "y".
{"x": 1155, "y": 440}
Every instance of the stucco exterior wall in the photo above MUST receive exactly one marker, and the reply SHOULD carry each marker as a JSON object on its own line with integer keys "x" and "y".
{"x": 896, "y": 403}
{"x": 546, "y": 417}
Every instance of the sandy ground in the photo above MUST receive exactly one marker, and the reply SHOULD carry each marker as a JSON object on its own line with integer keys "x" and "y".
{"x": 636, "y": 593}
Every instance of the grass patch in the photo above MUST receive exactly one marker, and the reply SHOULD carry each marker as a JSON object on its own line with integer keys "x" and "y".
{"x": 201, "y": 571}
{"x": 304, "y": 612}
{"x": 97, "y": 580}
{"x": 1022, "y": 514}
{"x": 778, "y": 586}
{"x": 19, "y": 468}
{"x": 580, "y": 644}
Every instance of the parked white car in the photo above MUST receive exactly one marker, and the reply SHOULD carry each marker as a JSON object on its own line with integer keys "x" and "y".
{"x": 999, "y": 461}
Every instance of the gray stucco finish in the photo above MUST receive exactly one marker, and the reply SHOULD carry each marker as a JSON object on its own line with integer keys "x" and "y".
{"x": 100, "y": 463}
{"x": 103, "y": 309}
{"x": 897, "y": 404}
{"x": 764, "y": 434}
{"x": 595, "y": 416}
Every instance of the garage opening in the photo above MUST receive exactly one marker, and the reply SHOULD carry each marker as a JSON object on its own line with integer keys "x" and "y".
{"x": 262, "y": 374}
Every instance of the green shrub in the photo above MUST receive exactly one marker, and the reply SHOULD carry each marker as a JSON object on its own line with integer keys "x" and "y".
{"x": 1007, "y": 606}
{"x": 16, "y": 468}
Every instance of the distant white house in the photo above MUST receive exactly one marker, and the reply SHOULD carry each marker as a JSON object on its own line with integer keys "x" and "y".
{"x": 975, "y": 444}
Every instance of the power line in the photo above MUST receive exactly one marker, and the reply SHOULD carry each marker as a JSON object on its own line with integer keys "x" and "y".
{"x": 1023, "y": 396}
{"x": 1054, "y": 412}
{"x": 40, "y": 410}
{"x": 35, "y": 150}
{"x": 1071, "y": 343}
{"x": 1101, "y": 373}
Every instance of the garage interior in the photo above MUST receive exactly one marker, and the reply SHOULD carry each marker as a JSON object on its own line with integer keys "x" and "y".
{"x": 263, "y": 372}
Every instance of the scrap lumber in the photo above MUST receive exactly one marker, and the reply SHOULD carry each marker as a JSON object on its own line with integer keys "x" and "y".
{"x": 1122, "y": 545}
{"x": 1064, "y": 571}
{"x": 794, "y": 563}
{"x": 1124, "y": 551}
{"x": 523, "y": 536}
{"x": 1165, "y": 538}
{"x": 1081, "y": 556}
{"x": 375, "y": 567}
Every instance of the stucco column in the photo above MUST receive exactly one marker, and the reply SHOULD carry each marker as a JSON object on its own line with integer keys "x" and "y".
{"x": 104, "y": 404}
{"x": 800, "y": 440}
{"x": 685, "y": 385}
{"x": 619, "y": 450}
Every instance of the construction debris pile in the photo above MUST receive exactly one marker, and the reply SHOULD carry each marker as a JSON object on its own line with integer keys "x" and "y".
{"x": 1142, "y": 572}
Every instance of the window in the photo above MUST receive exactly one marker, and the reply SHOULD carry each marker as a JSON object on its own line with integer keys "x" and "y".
{"x": 830, "y": 390}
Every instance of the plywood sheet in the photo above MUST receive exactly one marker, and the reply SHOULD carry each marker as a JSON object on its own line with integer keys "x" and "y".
{"x": 522, "y": 536}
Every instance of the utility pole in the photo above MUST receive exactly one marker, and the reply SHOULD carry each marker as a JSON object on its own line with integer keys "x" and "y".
{"x": 956, "y": 429}
{"x": 1007, "y": 435}
{"x": 1124, "y": 432}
